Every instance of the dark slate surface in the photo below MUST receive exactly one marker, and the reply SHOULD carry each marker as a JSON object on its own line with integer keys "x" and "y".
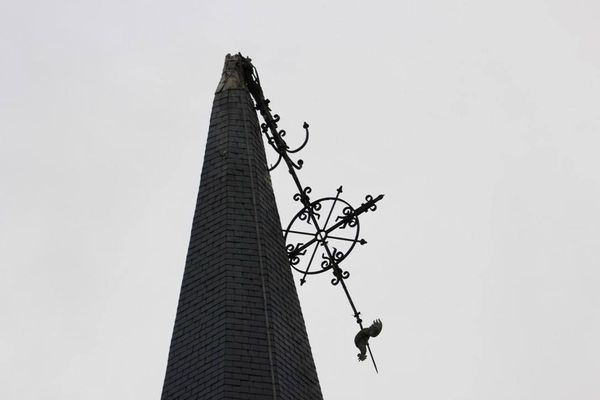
{"x": 239, "y": 331}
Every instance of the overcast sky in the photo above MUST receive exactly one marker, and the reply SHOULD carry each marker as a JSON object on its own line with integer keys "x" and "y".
{"x": 479, "y": 121}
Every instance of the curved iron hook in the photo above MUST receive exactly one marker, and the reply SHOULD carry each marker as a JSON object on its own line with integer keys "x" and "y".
{"x": 305, "y": 126}
{"x": 272, "y": 167}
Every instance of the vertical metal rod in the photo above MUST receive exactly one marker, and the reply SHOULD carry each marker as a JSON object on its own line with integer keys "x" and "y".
{"x": 356, "y": 315}
{"x": 372, "y": 358}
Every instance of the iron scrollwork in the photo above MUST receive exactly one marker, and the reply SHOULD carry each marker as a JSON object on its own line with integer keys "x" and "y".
{"x": 307, "y": 234}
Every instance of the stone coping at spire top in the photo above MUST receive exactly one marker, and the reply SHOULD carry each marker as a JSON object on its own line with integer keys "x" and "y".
{"x": 233, "y": 74}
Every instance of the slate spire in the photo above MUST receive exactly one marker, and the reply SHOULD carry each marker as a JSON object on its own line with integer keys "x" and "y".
{"x": 239, "y": 331}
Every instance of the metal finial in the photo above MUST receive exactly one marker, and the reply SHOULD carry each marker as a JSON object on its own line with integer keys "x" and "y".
{"x": 310, "y": 234}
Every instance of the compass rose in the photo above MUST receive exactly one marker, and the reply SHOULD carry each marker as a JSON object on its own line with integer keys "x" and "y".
{"x": 309, "y": 244}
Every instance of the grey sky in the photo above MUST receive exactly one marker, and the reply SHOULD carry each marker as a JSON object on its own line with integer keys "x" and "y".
{"x": 478, "y": 120}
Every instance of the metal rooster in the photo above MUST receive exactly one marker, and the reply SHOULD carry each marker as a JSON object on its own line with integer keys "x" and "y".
{"x": 361, "y": 340}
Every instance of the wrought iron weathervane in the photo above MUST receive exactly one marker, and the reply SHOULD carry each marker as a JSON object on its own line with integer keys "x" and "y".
{"x": 307, "y": 237}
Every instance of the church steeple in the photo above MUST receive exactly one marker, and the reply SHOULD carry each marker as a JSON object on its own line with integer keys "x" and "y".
{"x": 239, "y": 331}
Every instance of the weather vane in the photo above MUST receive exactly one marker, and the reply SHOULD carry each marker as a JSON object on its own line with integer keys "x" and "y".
{"x": 324, "y": 231}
